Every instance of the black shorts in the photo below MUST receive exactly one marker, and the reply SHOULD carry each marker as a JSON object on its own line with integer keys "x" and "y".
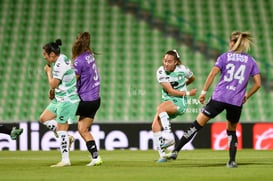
{"x": 213, "y": 108}
{"x": 88, "y": 108}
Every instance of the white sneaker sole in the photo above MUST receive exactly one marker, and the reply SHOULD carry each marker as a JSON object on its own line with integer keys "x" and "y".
{"x": 61, "y": 164}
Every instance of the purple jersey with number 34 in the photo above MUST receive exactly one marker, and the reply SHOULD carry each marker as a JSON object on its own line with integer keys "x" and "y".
{"x": 236, "y": 69}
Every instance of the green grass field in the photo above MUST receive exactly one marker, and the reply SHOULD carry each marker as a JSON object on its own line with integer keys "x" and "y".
{"x": 200, "y": 164}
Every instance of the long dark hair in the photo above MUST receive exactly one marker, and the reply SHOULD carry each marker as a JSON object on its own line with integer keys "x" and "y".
{"x": 82, "y": 44}
{"x": 53, "y": 47}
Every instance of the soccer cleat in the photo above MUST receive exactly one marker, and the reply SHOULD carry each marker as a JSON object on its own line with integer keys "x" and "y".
{"x": 167, "y": 143}
{"x": 232, "y": 164}
{"x": 61, "y": 164}
{"x": 95, "y": 162}
{"x": 71, "y": 141}
{"x": 172, "y": 155}
{"x": 162, "y": 160}
{"x": 15, "y": 133}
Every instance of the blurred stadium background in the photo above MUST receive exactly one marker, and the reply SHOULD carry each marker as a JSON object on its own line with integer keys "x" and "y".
{"x": 131, "y": 37}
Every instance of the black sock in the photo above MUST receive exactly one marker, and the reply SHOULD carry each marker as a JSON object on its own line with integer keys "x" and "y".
{"x": 233, "y": 141}
{"x": 92, "y": 148}
{"x": 188, "y": 135}
{"x": 4, "y": 129}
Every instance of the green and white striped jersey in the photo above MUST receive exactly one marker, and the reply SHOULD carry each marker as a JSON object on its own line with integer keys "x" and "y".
{"x": 177, "y": 78}
{"x": 62, "y": 70}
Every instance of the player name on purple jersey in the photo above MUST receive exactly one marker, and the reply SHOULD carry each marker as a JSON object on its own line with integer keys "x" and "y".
{"x": 237, "y": 57}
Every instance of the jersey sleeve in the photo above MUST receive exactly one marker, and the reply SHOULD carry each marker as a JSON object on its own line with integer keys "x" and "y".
{"x": 219, "y": 62}
{"x": 188, "y": 73}
{"x": 161, "y": 75}
{"x": 255, "y": 69}
{"x": 59, "y": 70}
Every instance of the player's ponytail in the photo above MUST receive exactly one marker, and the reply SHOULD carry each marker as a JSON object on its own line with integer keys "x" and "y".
{"x": 82, "y": 44}
{"x": 58, "y": 42}
{"x": 242, "y": 41}
{"x": 53, "y": 47}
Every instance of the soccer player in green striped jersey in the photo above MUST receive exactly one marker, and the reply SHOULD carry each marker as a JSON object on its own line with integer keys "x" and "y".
{"x": 63, "y": 107}
{"x": 174, "y": 77}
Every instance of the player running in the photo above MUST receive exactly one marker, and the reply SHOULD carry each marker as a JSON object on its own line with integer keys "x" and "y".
{"x": 88, "y": 85}
{"x": 174, "y": 77}
{"x": 236, "y": 68}
{"x": 63, "y": 109}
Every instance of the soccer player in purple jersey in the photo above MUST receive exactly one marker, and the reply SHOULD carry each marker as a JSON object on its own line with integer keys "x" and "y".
{"x": 88, "y": 85}
{"x": 236, "y": 67}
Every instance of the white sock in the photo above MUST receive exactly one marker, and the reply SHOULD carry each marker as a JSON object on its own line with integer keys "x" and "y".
{"x": 168, "y": 135}
{"x": 158, "y": 141}
{"x": 51, "y": 124}
{"x": 165, "y": 122}
{"x": 63, "y": 140}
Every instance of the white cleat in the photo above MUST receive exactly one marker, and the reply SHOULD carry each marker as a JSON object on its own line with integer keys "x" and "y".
{"x": 95, "y": 162}
{"x": 61, "y": 164}
{"x": 172, "y": 155}
{"x": 167, "y": 143}
{"x": 232, "y": 164}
